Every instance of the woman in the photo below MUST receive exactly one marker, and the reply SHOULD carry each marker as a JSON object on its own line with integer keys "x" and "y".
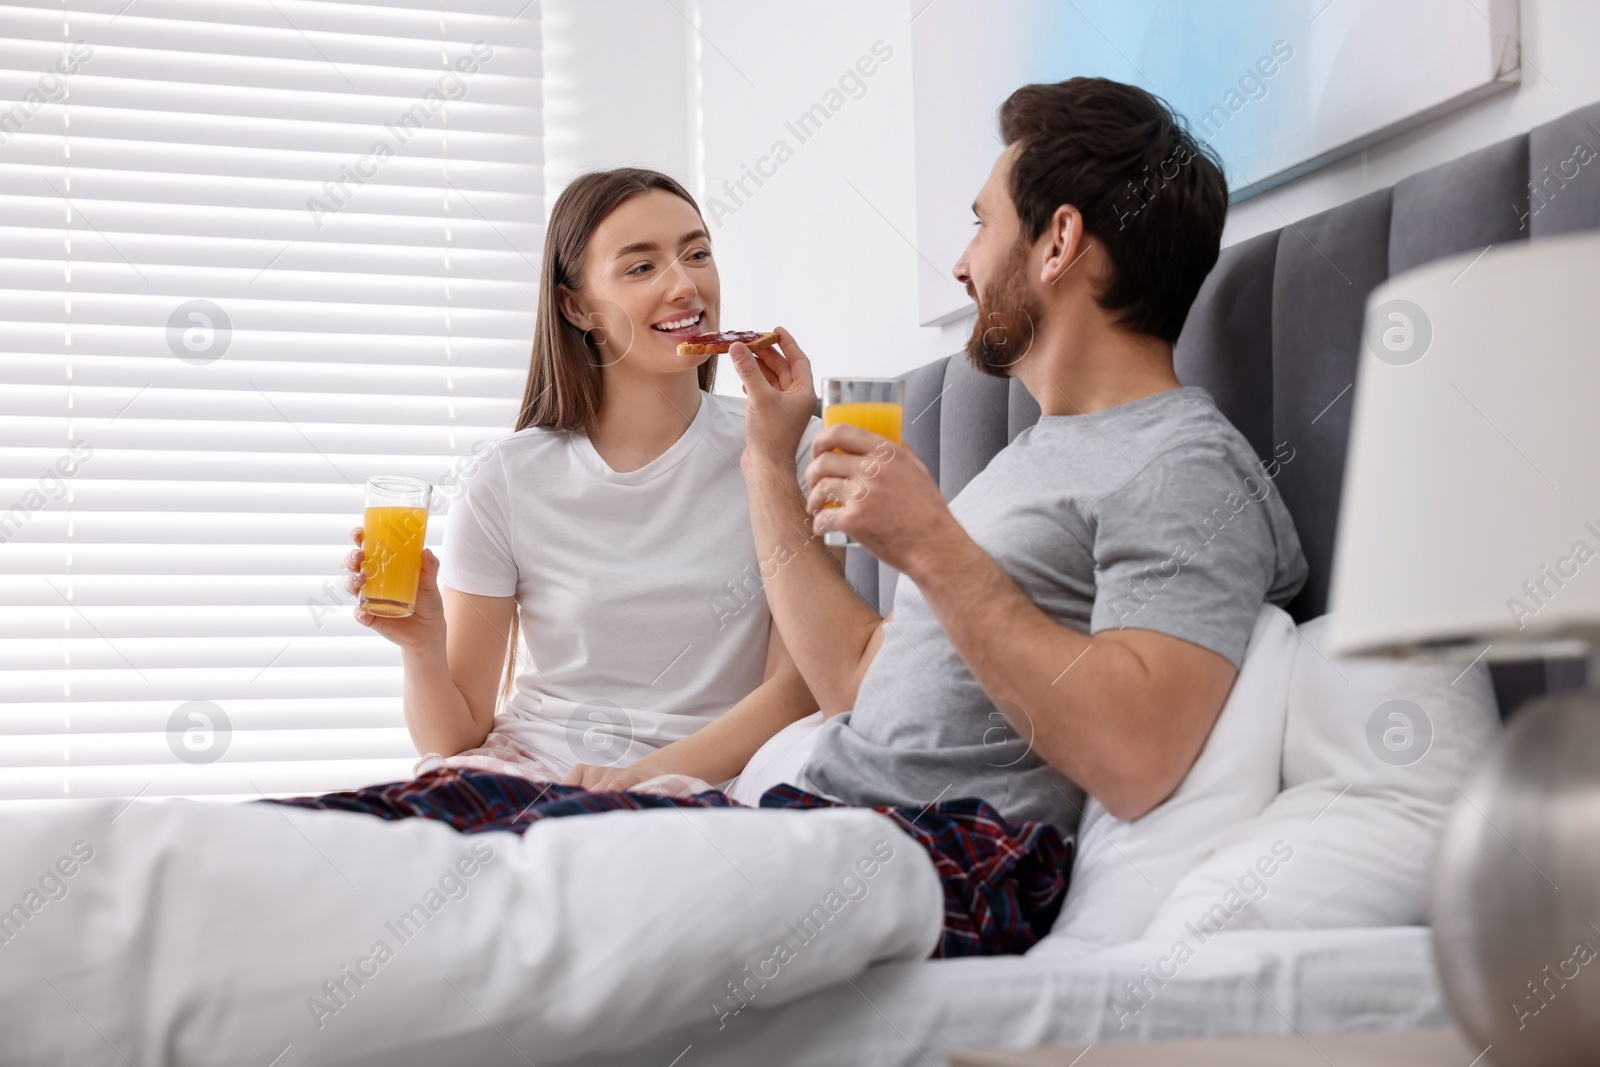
{"x": 612, "y": 528}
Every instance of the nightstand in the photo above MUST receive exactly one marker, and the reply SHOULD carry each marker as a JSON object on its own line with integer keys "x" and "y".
{"x": 1385, "y": 1048}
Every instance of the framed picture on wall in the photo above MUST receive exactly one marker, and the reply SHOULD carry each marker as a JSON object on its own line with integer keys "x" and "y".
{"x": 1276, "y": 88}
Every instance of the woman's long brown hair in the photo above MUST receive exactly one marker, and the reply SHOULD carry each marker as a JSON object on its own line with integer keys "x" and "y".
{"x": 563, "y": 389}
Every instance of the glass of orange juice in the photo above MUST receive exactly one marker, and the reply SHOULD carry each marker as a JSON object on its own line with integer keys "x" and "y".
{"x": 874, "y": 404}
{"x": 393, "y": 529}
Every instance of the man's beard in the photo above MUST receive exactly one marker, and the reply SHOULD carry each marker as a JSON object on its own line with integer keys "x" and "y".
{"x": 1008, "y": 315}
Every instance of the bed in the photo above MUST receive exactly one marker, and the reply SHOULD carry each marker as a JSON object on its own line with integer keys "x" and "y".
{"x": 1274, "y": 337}
{"x": 184, "y": 932}
{"x": 1250, "y": 982}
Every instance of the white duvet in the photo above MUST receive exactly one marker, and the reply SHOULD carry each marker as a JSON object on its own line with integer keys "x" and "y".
{"x": 179, "y": 932}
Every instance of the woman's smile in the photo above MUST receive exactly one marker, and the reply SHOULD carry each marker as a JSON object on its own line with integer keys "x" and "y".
{"x": 682, "y": 325}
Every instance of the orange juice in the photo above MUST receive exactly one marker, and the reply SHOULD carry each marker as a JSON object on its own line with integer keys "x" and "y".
{"x": 877, "y": 416}
{"x": 392, "y": 537}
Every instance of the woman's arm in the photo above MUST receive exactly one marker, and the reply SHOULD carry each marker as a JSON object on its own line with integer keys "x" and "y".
{"x": 835, "y": 633}
{"x": 719, "y": 750}
{"x": 452, "y": 650}
{"x": 451, "y": 688}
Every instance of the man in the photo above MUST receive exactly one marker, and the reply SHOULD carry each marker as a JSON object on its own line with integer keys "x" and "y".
{"x": 1076, "y": 616}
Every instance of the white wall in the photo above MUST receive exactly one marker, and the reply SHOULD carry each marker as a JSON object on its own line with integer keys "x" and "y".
{"x": 834, "y": 264}
{"x": 825, "y": 246}
{"x": 633, "y": 81}
{"x": 616, "y": 88}
{"x": 1560, "y": 72}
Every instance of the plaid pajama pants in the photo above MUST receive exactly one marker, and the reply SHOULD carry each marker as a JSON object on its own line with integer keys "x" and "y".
{"x": 1003, "y": 882}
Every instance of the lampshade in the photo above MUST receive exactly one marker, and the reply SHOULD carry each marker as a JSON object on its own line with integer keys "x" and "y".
{"x": 1471, "y": 508}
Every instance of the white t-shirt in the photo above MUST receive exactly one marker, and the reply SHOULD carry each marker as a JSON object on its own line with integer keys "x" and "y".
{"x": 638, "y": 593}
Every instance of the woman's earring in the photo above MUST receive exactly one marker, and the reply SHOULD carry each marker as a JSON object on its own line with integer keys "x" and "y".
{"x": 605, "y": 338}
{"x": 608, "y": 335}
{"x": 594, "y": 346}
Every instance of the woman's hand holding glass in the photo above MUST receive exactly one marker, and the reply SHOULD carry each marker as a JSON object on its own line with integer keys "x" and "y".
{"x": 421, "y": 631}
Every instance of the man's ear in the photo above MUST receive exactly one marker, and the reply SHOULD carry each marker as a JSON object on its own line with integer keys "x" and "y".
{"x": 571, "y": 310}
{"x": 1064, "y": 243}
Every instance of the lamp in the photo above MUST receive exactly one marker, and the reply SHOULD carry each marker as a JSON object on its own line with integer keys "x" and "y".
{"x": 1470, "y": 525}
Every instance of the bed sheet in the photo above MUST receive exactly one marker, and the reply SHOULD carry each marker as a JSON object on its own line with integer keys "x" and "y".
{"x": 186, "y": 933}
{"x": 913, "y": 1014}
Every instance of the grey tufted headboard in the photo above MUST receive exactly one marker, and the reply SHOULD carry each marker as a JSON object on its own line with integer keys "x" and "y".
{"x": 1274, "y": 336}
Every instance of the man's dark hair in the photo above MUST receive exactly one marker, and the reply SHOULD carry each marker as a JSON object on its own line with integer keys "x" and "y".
{"x": 1153, "y": 197}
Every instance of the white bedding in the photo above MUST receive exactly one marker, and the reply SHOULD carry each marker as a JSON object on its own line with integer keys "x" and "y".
{"x": 179, "y": 932}
{"x": 175, "y": 932}
{"x": 201, "y": 933}
{"x": 913, "y": 1014}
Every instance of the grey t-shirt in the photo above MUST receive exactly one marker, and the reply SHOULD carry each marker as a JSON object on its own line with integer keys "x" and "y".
{"x": 1153, "y": 515}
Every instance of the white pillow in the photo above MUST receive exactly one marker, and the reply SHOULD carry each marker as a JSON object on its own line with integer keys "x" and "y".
{"x": 1124, "y": 870}
{"x": 777, "y": 761}
{"x": 1373, "y": 751}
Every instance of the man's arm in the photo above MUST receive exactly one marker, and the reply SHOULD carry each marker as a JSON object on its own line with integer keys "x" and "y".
{"x": 1123, "y": 713}
{"x": 831, "y": 633}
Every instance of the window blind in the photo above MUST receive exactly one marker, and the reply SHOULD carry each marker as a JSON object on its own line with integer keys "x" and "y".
{"x": 252, "y": 252}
